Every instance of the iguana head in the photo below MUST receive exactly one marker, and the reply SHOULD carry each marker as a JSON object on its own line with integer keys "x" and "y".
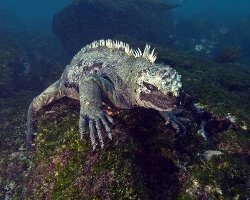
{"x": 158, "y": 87}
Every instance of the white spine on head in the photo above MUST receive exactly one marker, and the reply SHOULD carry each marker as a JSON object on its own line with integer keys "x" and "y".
{"x": 114, "y": 44}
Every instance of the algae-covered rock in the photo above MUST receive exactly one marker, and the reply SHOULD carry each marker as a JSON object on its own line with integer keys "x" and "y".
{"x": 223, "y": 177}
{"x": 14, "y": 159}
{"x": 135, "y": 165}
{"x": 84, "y": 21}
{"x": 145, "y": 160}
{"x": 9, "y": 64}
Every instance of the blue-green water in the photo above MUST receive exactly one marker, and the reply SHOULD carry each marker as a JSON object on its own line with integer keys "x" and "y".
{"x": 209, "y": 26}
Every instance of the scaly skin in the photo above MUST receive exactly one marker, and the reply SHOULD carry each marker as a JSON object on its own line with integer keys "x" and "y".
{"x": 123, "y": 78}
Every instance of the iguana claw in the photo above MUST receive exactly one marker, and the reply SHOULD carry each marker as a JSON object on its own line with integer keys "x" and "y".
{"x": 95, "y": 120}
{"x": 175, "y": 121}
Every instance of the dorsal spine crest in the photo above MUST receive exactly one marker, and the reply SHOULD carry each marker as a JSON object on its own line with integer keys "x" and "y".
{"x": 114, "y": 44}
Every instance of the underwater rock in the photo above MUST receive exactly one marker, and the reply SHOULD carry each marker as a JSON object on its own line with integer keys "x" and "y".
{"x": 145, "y": 160}
{"x": 40, "y": 73}
{"x": 228, "y": 54}
{"x": 40, "y": 46}
{"x": 138, "y": 164}
{"x": 10, "y": 65}
{"x": 210, "y": 153}
{"x": 84, "y": 21}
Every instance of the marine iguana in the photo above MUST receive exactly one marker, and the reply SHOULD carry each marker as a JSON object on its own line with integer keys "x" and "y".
{"x": 111, "y": 72}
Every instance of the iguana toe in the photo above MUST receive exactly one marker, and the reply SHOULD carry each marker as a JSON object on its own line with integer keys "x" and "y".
{"x": 99, "y": 132}
{"x": 95, "y": 124}
{"x": 82, "y": 125}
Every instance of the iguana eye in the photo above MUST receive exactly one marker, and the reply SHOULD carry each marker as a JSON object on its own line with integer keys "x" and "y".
{"x": 150, "y": 87}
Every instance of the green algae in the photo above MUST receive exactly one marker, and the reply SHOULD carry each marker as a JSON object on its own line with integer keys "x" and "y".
{"x": 58, "y": 143}
{"x": 147, "y": 160}
{"x": 233, "y": 141}
{"x": 64, "y": 167}
{"x": 226, "y": 177}
{"x": 14, "y": 160}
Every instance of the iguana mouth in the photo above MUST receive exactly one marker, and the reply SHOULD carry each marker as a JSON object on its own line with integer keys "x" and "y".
{"x": 160, "y": 100}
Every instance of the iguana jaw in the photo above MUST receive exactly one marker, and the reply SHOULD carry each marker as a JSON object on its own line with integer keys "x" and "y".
{"x": 159, "y": 101}
{"x": 158, "y": 88}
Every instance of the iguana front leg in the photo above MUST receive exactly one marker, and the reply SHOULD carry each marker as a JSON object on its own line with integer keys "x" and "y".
{"x": 91, "y": 112}
{"x": 176, "y": 122}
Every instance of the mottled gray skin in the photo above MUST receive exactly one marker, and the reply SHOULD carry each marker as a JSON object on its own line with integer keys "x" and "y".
{"x": 109, "y": 76}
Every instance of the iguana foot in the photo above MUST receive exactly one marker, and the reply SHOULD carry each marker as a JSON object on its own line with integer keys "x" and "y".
{"x": 174, "y": 121}
{"x": 95, "y": 120}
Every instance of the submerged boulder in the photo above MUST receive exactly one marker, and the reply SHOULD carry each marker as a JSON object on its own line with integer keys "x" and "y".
{"x": 84, "y": 21}
{"x": 137, "y": 164}
{"x": 145, "y": 160}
